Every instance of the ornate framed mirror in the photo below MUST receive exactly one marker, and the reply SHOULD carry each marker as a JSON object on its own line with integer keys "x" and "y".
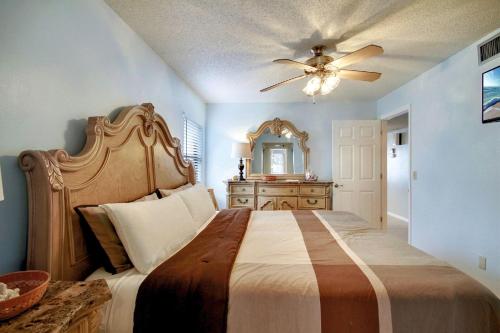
{"x": 278, "y": 149}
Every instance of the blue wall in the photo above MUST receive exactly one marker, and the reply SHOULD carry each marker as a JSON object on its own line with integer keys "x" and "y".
{"x": 456, "y": 197}
{"x": 61, "y": 62}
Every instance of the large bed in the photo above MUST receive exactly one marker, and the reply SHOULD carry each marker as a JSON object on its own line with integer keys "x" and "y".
{"x": 288, "y": 271}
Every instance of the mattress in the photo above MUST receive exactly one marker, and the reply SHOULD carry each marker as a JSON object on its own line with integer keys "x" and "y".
{"x": 288, "y": 278}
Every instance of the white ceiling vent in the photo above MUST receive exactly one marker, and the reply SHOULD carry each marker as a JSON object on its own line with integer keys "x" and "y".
{"x": 489, "y": 50}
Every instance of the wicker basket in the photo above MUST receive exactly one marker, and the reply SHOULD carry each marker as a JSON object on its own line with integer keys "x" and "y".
{"x": 32, "y": 286}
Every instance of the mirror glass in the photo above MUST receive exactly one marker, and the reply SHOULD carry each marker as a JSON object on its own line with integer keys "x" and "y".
{"x": 277, "y": 154}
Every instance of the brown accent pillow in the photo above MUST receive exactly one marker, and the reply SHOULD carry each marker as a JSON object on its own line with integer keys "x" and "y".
{"x": 114, "y": 256}
{"x": 115, "y": 259}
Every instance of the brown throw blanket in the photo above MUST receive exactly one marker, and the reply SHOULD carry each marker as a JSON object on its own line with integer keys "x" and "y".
{"x": 189, "y": 292}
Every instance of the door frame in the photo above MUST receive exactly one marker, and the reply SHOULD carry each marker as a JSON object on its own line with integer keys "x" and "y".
{"x": 385, "y": 117}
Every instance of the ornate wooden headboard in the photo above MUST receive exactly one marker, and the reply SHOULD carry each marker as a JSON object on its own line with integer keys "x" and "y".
{"x": 121, "y": 161}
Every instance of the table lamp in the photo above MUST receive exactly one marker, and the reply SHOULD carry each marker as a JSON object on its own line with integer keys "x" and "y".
{"x": 242, "y": 151}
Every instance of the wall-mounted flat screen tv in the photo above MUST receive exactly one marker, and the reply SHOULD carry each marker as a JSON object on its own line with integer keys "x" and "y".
{"x": 491, "y": 95}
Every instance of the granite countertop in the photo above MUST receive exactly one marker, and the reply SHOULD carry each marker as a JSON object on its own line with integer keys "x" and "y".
{"x": 63, "y": 301}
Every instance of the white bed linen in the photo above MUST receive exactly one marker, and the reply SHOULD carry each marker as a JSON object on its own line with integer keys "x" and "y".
{"x": 118, "y": 313}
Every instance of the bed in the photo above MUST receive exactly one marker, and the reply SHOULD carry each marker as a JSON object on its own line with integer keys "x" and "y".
{"x": 290, "y": 271}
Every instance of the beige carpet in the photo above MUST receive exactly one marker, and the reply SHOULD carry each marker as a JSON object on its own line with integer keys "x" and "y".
{"x": 397, "y": 228}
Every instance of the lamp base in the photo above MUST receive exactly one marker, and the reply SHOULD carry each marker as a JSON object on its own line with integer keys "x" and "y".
{"x": 241, "y": 166}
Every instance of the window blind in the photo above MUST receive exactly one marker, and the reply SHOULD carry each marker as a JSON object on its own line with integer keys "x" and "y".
{"x": 193, "y": 145}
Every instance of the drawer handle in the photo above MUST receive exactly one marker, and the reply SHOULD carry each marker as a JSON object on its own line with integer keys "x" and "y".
{"x": 243, "y": 189}
{"x": 263, "y": 190}
{"x": 242, "y": 202}
{"x": 267, "y": 203}
{"x": 312, "y": 190}
{"x": 309, "y": 201}
{"x": 291, "y": 190}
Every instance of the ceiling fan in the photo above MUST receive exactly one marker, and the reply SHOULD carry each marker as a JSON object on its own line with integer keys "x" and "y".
{"x": 326, "y": 72}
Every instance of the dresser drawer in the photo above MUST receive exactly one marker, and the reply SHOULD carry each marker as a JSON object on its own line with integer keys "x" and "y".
{"x": 287, "y": 203}
{"x": 278, "y": 190}
{"x": 242, "y": 202}
{"x": 312, "y": 190}
{"x": 242, "y": 189}
{"x": 266, "y": 203}
{"x": 312, "y": 203}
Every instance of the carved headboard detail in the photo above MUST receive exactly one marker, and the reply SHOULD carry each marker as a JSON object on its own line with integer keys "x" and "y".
{"x": 121, "y": 161}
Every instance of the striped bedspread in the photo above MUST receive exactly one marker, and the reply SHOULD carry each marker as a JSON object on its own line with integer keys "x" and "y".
{"x": 311, "y": 271}
{"x": 308, "y": 272}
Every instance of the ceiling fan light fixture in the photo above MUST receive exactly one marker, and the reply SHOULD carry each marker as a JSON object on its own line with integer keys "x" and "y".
{"x": 329, "y": 84}
{"x": 325, "y": 71}
{"x": 313, "y": 86}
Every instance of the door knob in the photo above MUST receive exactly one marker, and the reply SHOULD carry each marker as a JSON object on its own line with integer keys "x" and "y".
{"x": 338, "y": 185}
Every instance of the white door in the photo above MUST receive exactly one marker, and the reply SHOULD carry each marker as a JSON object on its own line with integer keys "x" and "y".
{"x": 356, "y": 168}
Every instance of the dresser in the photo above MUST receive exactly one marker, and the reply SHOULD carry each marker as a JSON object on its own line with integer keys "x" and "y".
{"x": 278, "y": 195}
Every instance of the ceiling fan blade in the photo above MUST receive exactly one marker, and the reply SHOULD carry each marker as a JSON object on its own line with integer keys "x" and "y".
{"x": 357, "y": 56}
{"x": 295, "y": 64}
{"x": 283, "y": 82}
{"x": 358, "y": 75}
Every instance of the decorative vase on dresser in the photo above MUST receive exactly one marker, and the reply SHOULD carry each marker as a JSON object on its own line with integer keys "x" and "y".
{"x": 279, "y": 195}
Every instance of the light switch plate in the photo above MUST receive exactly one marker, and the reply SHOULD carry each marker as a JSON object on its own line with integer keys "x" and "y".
{"x": 482, "y": 263}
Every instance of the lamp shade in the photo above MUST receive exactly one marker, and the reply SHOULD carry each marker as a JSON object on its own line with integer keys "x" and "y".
{"x": 1, "y": 187}
{"x": 241, "y": 150}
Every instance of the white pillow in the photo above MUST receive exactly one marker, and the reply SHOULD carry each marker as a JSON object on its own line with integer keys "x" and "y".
{"x": 166, "y": 192}
{"x": 199, "y": 203}
{"x": 152, "y": 231}
{"x": 149, "y": 197}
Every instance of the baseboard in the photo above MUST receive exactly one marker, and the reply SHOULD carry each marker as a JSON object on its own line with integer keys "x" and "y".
{"x": 399, "y": 217}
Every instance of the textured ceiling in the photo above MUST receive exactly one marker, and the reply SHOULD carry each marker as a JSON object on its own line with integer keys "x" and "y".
{"x": 223, "y": 49}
